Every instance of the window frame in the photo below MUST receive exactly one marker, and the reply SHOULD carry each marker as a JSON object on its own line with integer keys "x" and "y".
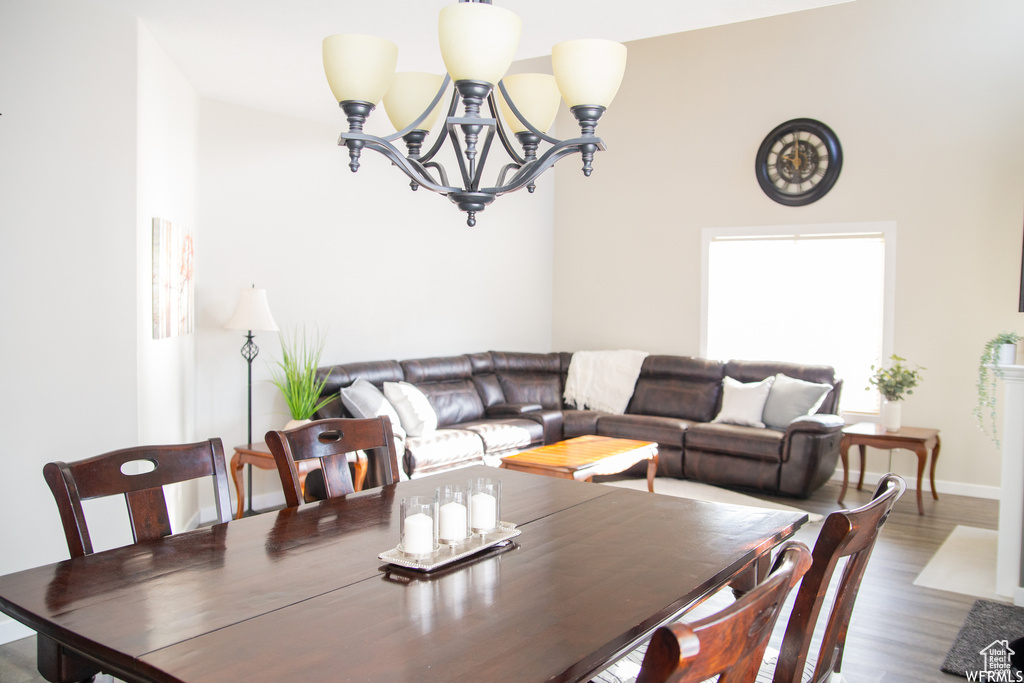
{"x": 886, "y": 228}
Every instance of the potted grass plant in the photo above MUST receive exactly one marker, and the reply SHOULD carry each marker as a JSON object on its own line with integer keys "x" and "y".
{"x": 893, "y": 383}
{"x": 295, "y": 374}
{"x": 1000, "y": 350}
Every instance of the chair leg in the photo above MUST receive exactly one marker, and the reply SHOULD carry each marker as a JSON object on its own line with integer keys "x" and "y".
{"x": 57, "y": 664}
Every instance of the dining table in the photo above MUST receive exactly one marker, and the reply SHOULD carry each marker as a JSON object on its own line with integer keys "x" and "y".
{"x": 301, "y": 593}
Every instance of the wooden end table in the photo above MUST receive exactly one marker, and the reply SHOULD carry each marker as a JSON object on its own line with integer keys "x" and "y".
{"x": 917, "y": 439}
{"x": 259, "y": 455}
{"x": 585, "y": 456}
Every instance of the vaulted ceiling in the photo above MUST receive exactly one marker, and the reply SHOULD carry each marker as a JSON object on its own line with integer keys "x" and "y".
{"x": 265, "y": 54}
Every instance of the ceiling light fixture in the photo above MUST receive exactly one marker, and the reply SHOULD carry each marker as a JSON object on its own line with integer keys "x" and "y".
{"x": 478, "y": 43}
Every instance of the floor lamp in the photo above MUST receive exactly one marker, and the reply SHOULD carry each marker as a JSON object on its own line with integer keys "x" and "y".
{"x": 252, "y": 314}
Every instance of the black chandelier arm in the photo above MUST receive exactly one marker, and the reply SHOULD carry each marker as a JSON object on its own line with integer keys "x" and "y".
{"x": 426, "y": 112}
{"x": 534, "y": 169}
{"x": 440, "y": 170}
{"x": 414, "y": 169}
{"x": 443, "y": 135}
{"x": 504, "y": 171}
{"x": 502, "y": 133}
{"x": 523, "y": 119}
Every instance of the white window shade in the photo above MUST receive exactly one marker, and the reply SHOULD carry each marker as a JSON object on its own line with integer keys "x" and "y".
{"x": 817, "y": 294}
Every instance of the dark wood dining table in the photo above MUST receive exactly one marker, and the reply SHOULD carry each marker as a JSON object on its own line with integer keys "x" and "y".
{"x": 301, "y": 595}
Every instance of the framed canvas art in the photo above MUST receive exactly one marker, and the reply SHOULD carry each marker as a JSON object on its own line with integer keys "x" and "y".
{"x": 173, "y": 289}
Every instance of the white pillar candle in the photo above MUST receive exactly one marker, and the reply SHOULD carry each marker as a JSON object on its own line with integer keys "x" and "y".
{"x": 484, "y": 512}
{"x": 419, "y": 534}
{"x": 453, "y": 522}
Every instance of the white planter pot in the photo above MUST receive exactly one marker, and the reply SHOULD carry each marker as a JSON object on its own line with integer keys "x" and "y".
{"x": 891, "y": 415}
{"x": 1007, "y": 354}
{"x": 292, "y": 424}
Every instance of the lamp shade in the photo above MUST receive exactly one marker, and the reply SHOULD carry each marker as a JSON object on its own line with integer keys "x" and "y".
{"x": 409, "y": 95}
{"x": 537, "y": 98}
{"x": 359, "y": 68}
{"x": 252, "y": 312}
{"x": 588, "y": 71}
{"x": 478, "y": 41}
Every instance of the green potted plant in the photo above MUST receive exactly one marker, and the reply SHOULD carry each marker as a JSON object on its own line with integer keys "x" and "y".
{"x": 295, "y": 374}
{"x": 893, "y": 383}
{"x": 990, "y": 370}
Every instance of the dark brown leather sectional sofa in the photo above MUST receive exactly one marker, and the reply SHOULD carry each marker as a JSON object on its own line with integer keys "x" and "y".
{"x": 495, "y": 403}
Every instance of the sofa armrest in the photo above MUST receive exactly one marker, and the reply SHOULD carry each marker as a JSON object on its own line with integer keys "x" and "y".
{"x": 821, "y": 423}
{"x": 551, "y": 420}
{"x": 512, "y": 409}
{"x": 810, "y": 451}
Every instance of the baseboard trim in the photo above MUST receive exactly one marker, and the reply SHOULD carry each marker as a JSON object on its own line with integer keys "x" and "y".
{"x": 11, "y": 630}
{"x": 954, "y": 488}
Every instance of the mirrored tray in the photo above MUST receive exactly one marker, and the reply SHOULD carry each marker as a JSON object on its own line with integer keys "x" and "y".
{"x": 447, "y": 554}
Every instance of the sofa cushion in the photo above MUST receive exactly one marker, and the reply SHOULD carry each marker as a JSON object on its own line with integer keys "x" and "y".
{"x": 667, "y": 431}
{"x": 743, "y": 404}
{"x": 532, "y": 387}
{"x": 441, "y": 450}
{"x": 746, "y": 442}
{"x": 363, "y": 399}
{"x": 791, "y": 398}
{"x": 505, "y": 435}
{"x": 579, "y": 422}
{"x": 489, "y": 389}
{"x": 677, "y": 386}
{"x": 454, "y": 401}
{"x": 414, "y": 410}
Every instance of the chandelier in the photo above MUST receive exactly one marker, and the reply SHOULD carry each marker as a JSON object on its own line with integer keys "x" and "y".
{"x": 478, "y": 43}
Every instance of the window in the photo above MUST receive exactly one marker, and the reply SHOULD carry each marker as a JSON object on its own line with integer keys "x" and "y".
{"x": 819, "y": 294}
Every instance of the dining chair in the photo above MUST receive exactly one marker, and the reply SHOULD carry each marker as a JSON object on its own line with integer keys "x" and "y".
{"x": 330, "y": 441}
{"x": 729, "y": 643}
{"x": 849, "y": 534}
{"x": 139, "y": 473}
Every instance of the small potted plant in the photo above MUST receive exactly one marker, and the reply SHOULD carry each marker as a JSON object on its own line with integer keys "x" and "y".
{"x": 295, "y": 375}
{"x": 893, "y": 383}
{"x": 1000, "y": 350}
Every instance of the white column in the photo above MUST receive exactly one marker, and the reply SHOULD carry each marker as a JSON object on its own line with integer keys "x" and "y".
{"x": 1011, "y": 499}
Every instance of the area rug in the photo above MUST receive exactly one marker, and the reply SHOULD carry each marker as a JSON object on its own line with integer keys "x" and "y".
{"x": 683, "y": 488}
{"x": 965, "y": 563}
{"x": 986, "y": 643}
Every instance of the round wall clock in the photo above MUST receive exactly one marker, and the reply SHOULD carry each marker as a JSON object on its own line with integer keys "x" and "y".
{"x": 799, "y": 162}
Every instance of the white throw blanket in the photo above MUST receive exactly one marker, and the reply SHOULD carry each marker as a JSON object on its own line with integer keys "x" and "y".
{"x": 603, "y": 380}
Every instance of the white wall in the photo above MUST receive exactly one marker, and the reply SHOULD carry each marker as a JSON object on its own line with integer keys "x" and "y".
{"x": 388, "y": 273}
{"x": 925, "y": 97}
{"x": 67, "y": 260}
{"x": 168, "y": 116}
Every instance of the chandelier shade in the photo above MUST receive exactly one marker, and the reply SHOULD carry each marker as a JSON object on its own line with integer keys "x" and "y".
{"x": 359, "y": 68}
{"x": 588, "y": 72}
{"x": 537, "y": 98}
{"x": 411, "y": 92}
{"x": 478, "y": 41}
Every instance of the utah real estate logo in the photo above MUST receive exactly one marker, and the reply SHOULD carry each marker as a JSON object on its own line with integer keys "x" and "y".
{"x": 996, "y": 666}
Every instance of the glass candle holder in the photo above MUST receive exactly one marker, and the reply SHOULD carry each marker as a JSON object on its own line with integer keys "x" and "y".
{"x": 453, "y": 513}
{"x": 419, "y": 526}
{"x": 484, "y": 504}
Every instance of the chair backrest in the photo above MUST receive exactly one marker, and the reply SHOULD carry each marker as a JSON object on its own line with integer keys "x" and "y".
{"x": 730, "y": 642}
{"x": 846, "y": 533}
{"x": 102, "y": 476}
{"x": 330, "y": 440}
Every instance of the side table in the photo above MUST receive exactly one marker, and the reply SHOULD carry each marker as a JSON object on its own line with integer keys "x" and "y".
{"x": 917, "y": 439}
{"x": 259, "y": 455}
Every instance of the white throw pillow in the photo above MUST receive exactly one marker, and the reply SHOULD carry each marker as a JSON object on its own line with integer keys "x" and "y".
{"x": 743, "y": 404}
{"x": 414, "y": 410}
{"x": 363, "y": 399}
{"x": 791, "y": 398}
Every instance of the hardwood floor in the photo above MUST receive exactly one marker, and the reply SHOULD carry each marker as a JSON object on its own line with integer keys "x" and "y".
{"x": 899, "y": 632}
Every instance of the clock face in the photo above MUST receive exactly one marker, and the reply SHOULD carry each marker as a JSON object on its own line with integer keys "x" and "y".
{"x": 799, "y": 162}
